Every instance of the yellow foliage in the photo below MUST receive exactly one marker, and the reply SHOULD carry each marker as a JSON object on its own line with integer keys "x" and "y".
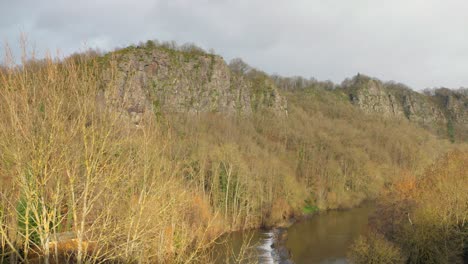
{"x": 163, "y": 191}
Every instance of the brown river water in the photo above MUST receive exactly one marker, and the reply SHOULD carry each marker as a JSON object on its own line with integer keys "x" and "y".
{"x": 323, "y": 239}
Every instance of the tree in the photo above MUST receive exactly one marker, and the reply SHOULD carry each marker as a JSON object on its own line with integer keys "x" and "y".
{"x": 237, "y": 65}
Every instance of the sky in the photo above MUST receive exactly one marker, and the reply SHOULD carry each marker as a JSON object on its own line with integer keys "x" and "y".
{"x": 422, "y": 43}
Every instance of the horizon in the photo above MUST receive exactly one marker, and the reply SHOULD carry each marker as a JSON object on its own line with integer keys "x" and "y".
{"x": 327, "y": 41}
{"x": 58, "y": 55}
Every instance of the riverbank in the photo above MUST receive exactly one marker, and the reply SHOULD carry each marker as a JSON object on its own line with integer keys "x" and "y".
{"x": 309, "y": 239}
{"x": 421, "y": 218}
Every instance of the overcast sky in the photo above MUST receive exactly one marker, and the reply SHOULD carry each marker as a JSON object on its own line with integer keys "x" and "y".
{"x": 423, "y": 43}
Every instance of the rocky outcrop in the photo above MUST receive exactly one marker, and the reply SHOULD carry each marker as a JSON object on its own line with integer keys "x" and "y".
{"x": 394, "y": 100}
{"x": 454, "y": 102}
{"x": 440, "y": 109}
{"x": 159, "y": 80}
{"x": 162, "y": 80}
{"x": 370, "y": 96}
{"x": 421, "y": 109}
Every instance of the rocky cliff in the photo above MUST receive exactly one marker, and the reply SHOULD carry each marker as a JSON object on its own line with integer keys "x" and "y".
{"x": 441, "y": 108}
{"x": 453, "y": 102}
{"x": 158, "y": 80}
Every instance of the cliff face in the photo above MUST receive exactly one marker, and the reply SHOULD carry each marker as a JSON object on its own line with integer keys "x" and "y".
{"x": 455, "y": 104}
{"x": 442, "y": 108}
{"x": 162, "y": 80}
{"x": 393, "y": 100}
{"x": 151, "y": 80}
{"x": 370, "y": 96}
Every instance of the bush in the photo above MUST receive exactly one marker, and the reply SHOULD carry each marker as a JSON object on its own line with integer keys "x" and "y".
{"x": 374, "y": 249}
{"x": 424, "y": 215}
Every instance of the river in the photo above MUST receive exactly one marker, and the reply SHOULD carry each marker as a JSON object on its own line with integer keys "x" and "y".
{"x": 323, "y": 238}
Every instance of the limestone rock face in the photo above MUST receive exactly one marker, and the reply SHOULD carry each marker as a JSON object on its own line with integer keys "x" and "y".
{"x": 393, "y": 100}
{"x": 442, "y": 110}
{"x": 421, "y": 109}
{"x": 370, "y": 96}
{"x": 454, "y": 102}
{"x": 161, "y": 80}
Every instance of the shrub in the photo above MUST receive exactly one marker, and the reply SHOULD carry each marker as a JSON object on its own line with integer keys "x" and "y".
{"x": 374, "y": 249}
{"x": 425, "y": 215}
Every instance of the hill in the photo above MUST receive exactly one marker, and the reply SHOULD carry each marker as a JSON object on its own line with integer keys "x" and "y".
{"x": 443, "y": 111}
{"x": 148, "y": 154}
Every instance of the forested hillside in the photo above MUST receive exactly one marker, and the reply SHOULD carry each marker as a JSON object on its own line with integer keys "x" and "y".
{"x": 442, "y": 111}
{"x": 149, "y": 153}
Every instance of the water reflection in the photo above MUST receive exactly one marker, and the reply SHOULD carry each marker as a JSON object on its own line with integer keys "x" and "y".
{"x": 322, "y": 239}
{"x": 325, "y": 238}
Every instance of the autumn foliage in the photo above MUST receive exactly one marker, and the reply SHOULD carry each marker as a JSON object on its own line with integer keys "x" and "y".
{"x": 426, "y": 216}
{"x": 163, "y": 191}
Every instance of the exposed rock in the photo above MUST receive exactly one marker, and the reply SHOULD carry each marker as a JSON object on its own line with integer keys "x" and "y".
{"x": 421, "y": 109}
{"x": 283, "y": 253}
{"x": 454, "y": 102}
{"x": 162, "y": 80}
{"x": 443, "y": 109}
{"x": 370, "y": 96}
{"x": 158, "y": 80}
{"x": 373, "y": 96}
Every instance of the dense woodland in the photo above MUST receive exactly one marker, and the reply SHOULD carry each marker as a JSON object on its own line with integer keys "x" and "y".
{"x": 164, "y": 191}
